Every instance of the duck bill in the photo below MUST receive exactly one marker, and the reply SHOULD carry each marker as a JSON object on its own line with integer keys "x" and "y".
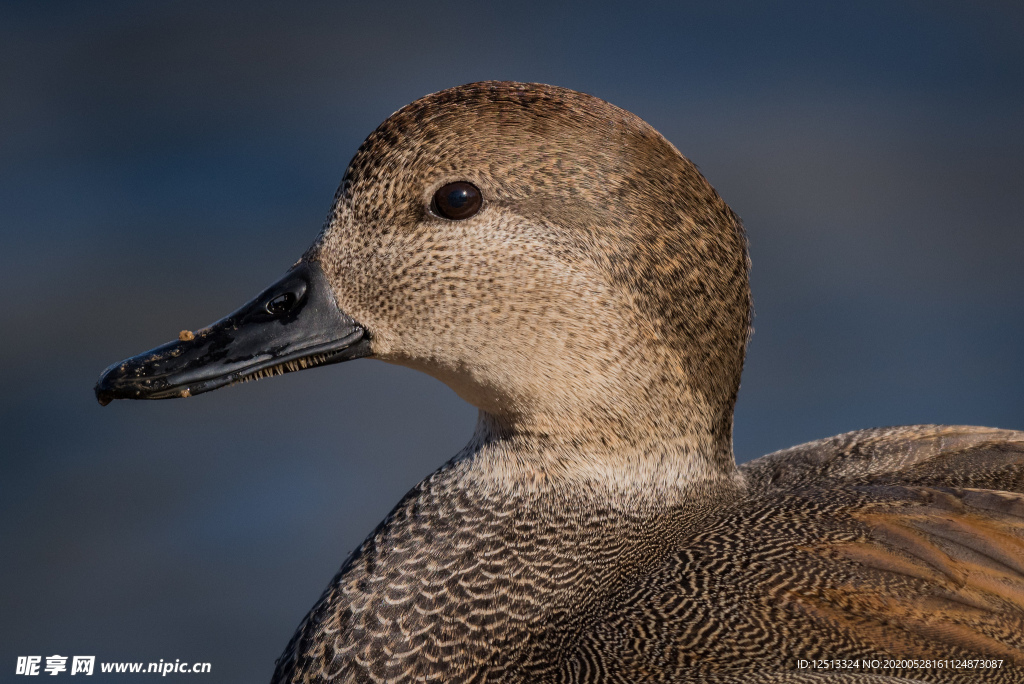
{"x": 293, "y": 324}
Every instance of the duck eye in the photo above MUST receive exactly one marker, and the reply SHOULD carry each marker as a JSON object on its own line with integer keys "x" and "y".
{"x": 457, "y": 201}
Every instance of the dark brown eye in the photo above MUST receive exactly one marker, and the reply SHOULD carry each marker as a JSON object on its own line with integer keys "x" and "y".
{"x": 457, "y": 201}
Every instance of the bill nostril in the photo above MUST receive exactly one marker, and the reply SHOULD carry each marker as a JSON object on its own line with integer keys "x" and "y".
{"x": 286, "y": 298}
{"x": 281, "y": 304}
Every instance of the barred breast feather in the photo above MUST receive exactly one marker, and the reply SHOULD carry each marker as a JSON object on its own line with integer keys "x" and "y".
{"x": 902, "y": 544}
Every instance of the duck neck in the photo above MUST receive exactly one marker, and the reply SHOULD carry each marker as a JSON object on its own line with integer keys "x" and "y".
{"x": 658, "y": 469}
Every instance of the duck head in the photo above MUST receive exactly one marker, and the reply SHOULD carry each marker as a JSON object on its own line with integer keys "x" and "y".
{"x": 550, "y": 257}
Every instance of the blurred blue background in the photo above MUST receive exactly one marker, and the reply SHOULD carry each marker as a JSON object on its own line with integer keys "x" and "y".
{"x": 161, "y": 162}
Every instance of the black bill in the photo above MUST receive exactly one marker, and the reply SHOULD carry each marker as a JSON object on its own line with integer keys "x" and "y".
{"x": 293, "y": 324}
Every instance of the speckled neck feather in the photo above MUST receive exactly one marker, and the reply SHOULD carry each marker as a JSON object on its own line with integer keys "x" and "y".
{"x": 599, "y": 298}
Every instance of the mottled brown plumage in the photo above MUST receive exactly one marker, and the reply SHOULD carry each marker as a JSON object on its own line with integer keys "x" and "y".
{"x": 596, "y": 528}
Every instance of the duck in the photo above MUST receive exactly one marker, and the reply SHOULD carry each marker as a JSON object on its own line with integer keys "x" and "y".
{"x": 562, "y": 267}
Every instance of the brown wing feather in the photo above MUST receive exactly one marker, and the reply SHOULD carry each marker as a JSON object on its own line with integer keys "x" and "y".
{"x": 899, "y": 543}
{"x": 945, "y": 565}
{"x": 941, "y": 455}
{"x": 938, "y": 561}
